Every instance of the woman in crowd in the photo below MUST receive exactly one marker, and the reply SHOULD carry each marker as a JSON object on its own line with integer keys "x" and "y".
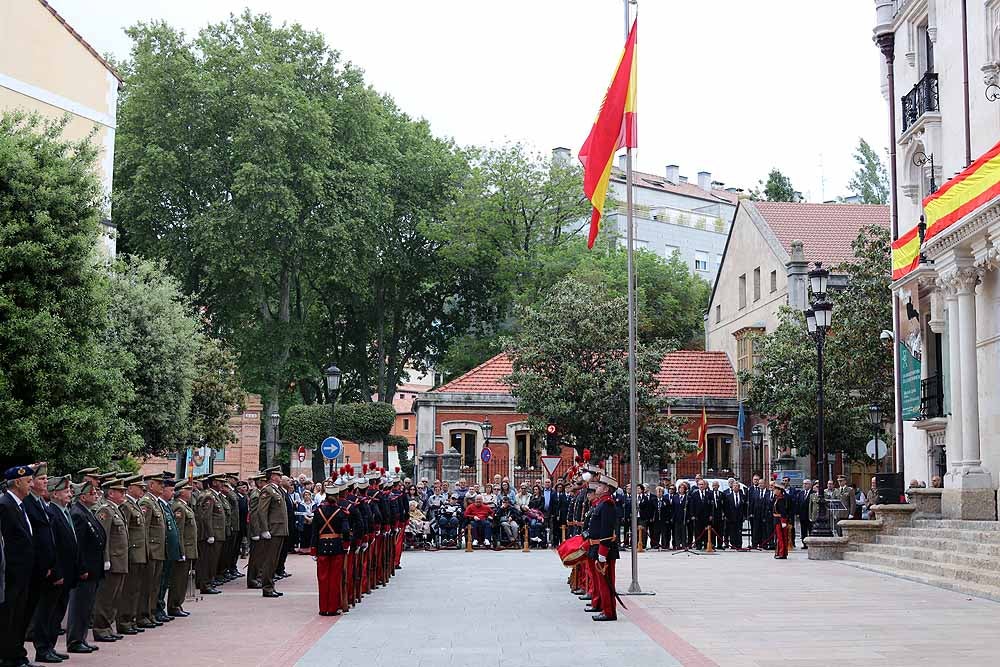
{"x": 303, "y": 521}
{"x": 680, "y": 517}
{"x": 490, "y": 498}
{"x": 523, "y": 497}
{"x": 507, "y": 492}
{"x": 536, "y": 515}
{"x": 413, "y": 495}
{"x": 418, "y": 525}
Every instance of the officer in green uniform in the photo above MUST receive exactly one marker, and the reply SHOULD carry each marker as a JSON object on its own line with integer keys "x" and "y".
{"x": 187, "y": 531}
{"x": 116, "y": 560}
{"x": 273, "y": 518}
{"x": 173, "y": 549}
{"x": 229, "y": 566}
{"x": 156, "y": 536}
{"x": 254, "y": 530}
{"x": 138, "y": 557}
{"x": 212, "y": 516}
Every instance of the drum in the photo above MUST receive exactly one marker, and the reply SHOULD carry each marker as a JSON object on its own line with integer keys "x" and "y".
{"x": 572, "y": 550}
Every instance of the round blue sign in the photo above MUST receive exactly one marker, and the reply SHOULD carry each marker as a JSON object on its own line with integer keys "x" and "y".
{"x": 486, "y": 455}
{"x": 331, "y": 448}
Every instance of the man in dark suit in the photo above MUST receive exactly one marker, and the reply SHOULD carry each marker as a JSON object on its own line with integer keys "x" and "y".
{"x": 560, "y": 512}
{"x": 764, "y": 515}
{"x": 734, "y": 509}
{"x": 679, "y": 508}
{"x": 718, "y": 521}
{"x": 644, "y": 505}
{"x": 700, "y": 510}
{"x": 90, "y": 540}
{"x": 802, "y": 509}
{"x": 52, "y": 604}
{"x": 47, "y": 580}
{"x": 659, "y": 521}
{"x": 19, "y": 548}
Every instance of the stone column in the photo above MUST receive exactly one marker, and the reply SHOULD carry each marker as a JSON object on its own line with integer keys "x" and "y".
{"x": 966, "y": 280}
{"x": 449, "y": 466}
{"x": 954, "y": 378}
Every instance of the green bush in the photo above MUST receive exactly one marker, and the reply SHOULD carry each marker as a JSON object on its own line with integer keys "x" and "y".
{"x": 307, "y": 425}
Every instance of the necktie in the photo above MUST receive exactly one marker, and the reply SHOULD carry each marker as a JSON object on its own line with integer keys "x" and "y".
{"x": 27, "y": 521}
{"x": 69, "y": 520}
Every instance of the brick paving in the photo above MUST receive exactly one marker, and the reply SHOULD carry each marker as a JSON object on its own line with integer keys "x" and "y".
{"x": 513, "y": 609}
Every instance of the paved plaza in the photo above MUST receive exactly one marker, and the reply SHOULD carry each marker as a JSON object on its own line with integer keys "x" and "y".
{"x": 513, "y": 609}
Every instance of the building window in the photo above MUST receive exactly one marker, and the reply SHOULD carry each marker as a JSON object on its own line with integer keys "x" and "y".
{"x": 719, "y": 454}
{"x": 718, "y": 314}
{"x": 527, "y": 449}
{"x": 406, "y": 424}
{"x": 743, "y": 291}
{"x": 219, "y": 454}
{"x": 670, "y": 250}
{"x": 756, "y": 284}
{"x": 464, "y": 442}
{"x": 745, "y": 358}
{"x": 774, "y": 282}
{"x": 701, "y": 261}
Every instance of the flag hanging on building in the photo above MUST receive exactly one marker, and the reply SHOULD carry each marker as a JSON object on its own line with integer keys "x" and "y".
{"x": 974, "y": 186}
{"x": 905, "y": 253}
{"x": 614, "y": 128}
{"x": 741, "y": 421}
{"x": 702, "y": 435}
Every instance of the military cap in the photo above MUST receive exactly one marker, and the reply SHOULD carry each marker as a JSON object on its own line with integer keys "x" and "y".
{"x": 105, "y": 476}
{"x": 134, "y": 480}
{"x": 94, "y": 472}
{"x": 156, "y": 477}
{"x": 272, "y": 470}
{"x": 170, "y": 481}
{"x": 17, "y": 472}
{"x": 331, "y": 488}
{"x": 168, "y": 474}
{"x": 114, "y": 484}
{"x": 181, "y": 484}
{"x": 257, "y": 475}
{"x": 233, "y": 475}
{"x": 58, "y": 483}
{"x": 40, "y": 469}
{"x": 123, "y": 474}
{"x": 82, "y": 488}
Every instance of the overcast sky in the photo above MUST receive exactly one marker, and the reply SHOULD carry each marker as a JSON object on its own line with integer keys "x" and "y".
{"x": 728, "y": 86}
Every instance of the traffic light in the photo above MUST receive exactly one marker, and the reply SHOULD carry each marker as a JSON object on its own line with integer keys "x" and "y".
{"x": 551, "y": 436}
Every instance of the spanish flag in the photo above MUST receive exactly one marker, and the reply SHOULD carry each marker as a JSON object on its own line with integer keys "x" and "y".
{"x": 614, "y": 128}
{"x": 905, "y": 253}
{"x": 702, "y": 436}
{"x": 974, "y": 186}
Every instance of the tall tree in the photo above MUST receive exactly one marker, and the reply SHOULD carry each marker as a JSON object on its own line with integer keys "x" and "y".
{"x": 59, "y": 387}
{"x": 870, "y": 182}
{"x": 570, "y": 365}
{"x": 778, "y": 187}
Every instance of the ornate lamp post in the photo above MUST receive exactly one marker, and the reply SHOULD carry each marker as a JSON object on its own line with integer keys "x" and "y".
{"x": 272, "y": 434}
{"x": 757, "y": 440}
{"x": 819, "y": 317}
{"x": 332, "y": 374}
{"x": 487, "y": 428}
{"x": 875, "y": 420}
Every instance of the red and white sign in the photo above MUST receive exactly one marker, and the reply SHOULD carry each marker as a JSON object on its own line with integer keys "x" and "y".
{"x": 302, "y": 454}
{"x": 551, "y": 463}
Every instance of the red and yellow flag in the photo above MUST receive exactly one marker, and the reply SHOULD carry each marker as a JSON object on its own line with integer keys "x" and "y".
{"x": 905, "y": 253}
{"x": 974, "y": 186}
{"x": 702, "y": 436}
{"x": 614, "y": 128}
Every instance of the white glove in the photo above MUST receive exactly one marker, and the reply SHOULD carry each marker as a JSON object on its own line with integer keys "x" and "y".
{"x": 211, "y": 540}
{"x": 183, "y": 558}
{"x": 107, "y": 565}
{"x": 602, "y": 559}
{"x": 266, "y": 535}
{"x": 255, "y": 538}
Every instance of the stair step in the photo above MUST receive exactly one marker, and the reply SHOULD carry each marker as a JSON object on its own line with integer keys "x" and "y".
{"x": 950, "y": 554}
{"x": 947, "y": 570}
{"x": 964, "y": 535}
{"x": 959, "y": 586}
{"x": 989, "y": 526}
{"x": 932, "y": 541}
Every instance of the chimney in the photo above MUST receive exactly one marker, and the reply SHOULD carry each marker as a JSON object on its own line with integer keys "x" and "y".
{"x": 560, "y": 155}
{"x": 705, "y": 181}
{"x": 682, "y": 179}
{"x": 623, "y": 162}
{"x": 673, "y": 173}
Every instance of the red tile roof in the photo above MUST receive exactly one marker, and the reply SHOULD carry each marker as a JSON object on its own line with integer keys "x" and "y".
{"x": 657, "y": 182}
{"x": 483, "y": 379}
{"x": 693, "y": 374}
{"x": 826, "y": 230}
{"x": 684, "y": 374}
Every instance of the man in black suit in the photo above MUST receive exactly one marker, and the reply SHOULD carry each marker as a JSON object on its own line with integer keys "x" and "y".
{"x": 735, "y": 509}
{"x": 763, "y": 515}
{"x": 660, "y": 521}
{"x": 718, "y": 518}
{"x": 802, "y": 509}
{"x": 19, "y": 547}
{"x": 52, "y": 604}
{"x": 700, "y": 508}
{"x": 47, "y": 580}
{"x": 679, "y": 507}
{"x": 644, "y": 505}
{"x": 90, "y": 540}
{"x": 560, "y": 512}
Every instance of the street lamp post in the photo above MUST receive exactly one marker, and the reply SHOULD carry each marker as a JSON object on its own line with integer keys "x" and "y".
{"x": 757, "y": 439}
{"x": 272, "y": 435}
{"x": 875, "y": 420}
{"x": 487, "y": 428}
{"x": 332, "y": 374}
{"x": 819, "y": 316}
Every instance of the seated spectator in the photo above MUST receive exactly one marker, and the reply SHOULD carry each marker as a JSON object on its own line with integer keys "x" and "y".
{"x": 509, "y": 519}
{"x": 448, "y": 519}
{"x": 490, "y": 498}
{"x": 505, "y": 490}
{"x": 480, "y": 516}
{"x": 461, "y": 490}
{"x": 435, "y": 500}
{"x": 418, "y": 524}
{"x": 523, "y": 497}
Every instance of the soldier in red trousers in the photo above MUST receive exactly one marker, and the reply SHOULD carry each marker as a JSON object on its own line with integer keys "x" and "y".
{"x": 604, "y": 547}
{"x": 330, "y": 537}
{"x": 780, "y": 514}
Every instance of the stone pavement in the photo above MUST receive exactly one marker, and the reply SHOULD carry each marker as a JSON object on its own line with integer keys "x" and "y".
{"x": 513, "y": 609}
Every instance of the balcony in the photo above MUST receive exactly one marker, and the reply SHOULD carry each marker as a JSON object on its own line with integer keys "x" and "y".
{"x": 921, "y": 99}
{"x": 931, "y": 398}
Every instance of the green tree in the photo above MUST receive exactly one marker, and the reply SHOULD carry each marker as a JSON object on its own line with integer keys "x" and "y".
{"x": 216, "y": 395}
{"x": 777, "y": 188}
{"x": 870, "y": 182}
{"x": 569, "y": 364}
{"x": 59, "y": 387}
{"x": 858, "y": 369}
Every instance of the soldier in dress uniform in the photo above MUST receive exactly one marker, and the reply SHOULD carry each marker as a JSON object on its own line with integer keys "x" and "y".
{"x": 187, "y": 540}
{"x": 780, "y": 514}
{"x": 273, "y": 518}
{"x": 254, "y": 530}
{"x": 19, "y": 565}
{"x": 330, "y": 534}
{"x": 228, "y": 570}
{"x": 211, "y": 517}
{"x": 604, "y": 546}
{"x": 172, "y": 548}
{"x": 91, "y": 540}
{"x": 362, "y": 538}
{"x": 52, "y": 608}
{"x": 129, "y": 609}
{"x": 156, "y": 540}
{"x": 116, "y": 560}
{"x": 345, "y": 502}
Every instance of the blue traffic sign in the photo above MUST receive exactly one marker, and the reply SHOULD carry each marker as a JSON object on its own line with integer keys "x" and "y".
{"x": 331, "y": 448}
{"x": 486, "y": 455}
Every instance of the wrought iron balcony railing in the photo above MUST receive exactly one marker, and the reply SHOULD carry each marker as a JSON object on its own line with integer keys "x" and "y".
{"x": 931, "y": 398}
{"x": 921, "y": 99}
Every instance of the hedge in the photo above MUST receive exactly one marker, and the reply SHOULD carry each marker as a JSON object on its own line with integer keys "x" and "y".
{"x": 307, "y": 425}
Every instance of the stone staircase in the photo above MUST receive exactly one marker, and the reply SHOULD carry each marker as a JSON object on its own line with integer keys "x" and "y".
{"x": 963, "y": 556}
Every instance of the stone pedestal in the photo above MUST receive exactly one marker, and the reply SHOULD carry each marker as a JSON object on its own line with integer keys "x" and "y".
{"x": 894, "y": 516}
{"x": 969, "y": 504}
{"x": 927, "y": 502}
{"x": 449, "y": 466}
{"x": 428, "y": 465}
{"x": 826, "y": 548}
{"x": 860, "y": 532}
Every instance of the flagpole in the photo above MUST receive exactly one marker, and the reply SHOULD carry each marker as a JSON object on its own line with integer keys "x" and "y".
{"x": 633, "y": 422}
